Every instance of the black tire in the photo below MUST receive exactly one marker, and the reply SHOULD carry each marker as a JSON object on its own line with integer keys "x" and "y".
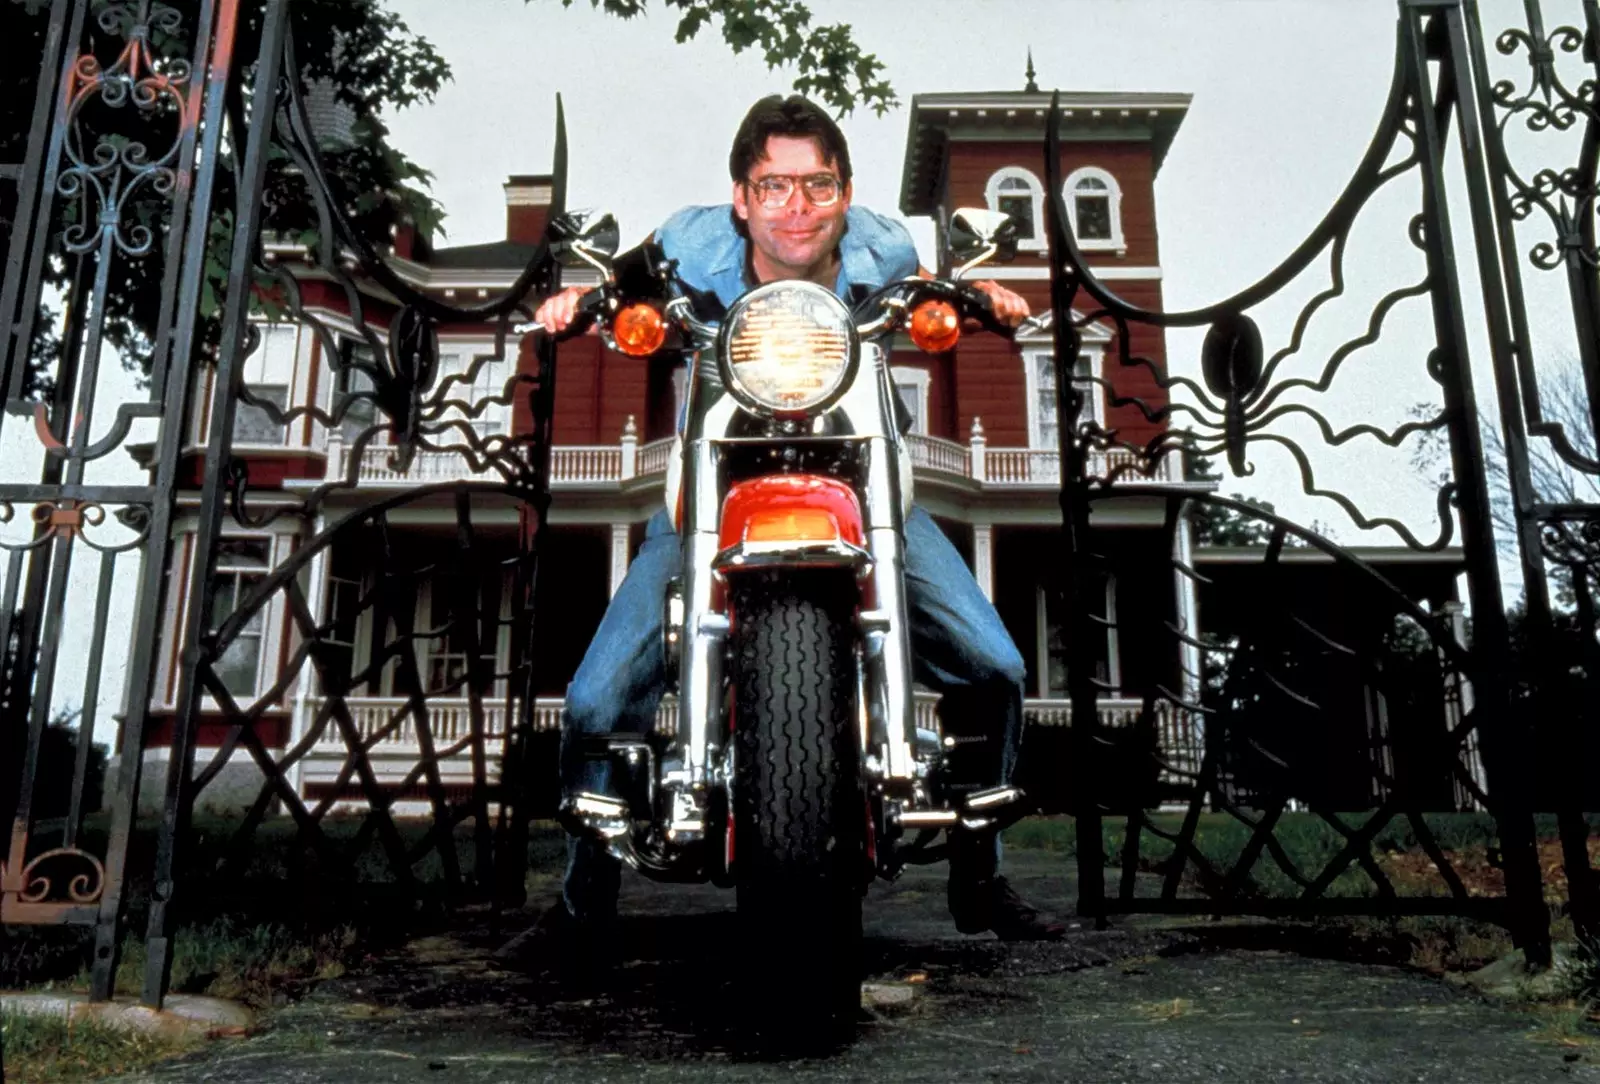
{"x": 799, "y": 816}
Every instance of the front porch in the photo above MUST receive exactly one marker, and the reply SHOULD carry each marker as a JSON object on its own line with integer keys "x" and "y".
{"x": 628, "y": 463}
{"x": 387, "y": 726}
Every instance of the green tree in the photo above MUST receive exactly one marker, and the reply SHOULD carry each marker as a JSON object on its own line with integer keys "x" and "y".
{"x": 1220, "y": 525}
{"x": 830, "y": 62}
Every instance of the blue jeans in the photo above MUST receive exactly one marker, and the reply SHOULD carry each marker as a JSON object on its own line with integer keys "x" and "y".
{"x": 959, "y": 648}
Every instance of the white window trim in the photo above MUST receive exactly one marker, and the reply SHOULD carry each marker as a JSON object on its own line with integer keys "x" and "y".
{"x": 1113, "y": 639}
{"x": 680, "y": 394}
{"x": 1116, "y": 242}
{"x": 991, "y": 194}
{"x": 272, "y": 621}
{"x": 919, "y": 378}
{"x": 422, "y": 645}
{"x": 286, "y": 440}
{"x": 1113, "y": 643}
{"x": 490, "y": 382}
{"x": 1035, "y": 348}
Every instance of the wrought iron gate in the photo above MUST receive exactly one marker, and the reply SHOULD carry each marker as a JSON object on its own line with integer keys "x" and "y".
{"x": 1264, "y": 727}
{"x": 218, "y": 87}
{"x": 221, "y": 101}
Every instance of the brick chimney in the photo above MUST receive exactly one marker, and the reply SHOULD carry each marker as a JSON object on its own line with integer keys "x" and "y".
{"x": 410, "y": 243}
{"x": 527, "y": 207}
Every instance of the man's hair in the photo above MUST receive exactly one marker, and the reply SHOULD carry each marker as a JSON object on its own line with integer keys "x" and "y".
{"x": 792, "y": 116}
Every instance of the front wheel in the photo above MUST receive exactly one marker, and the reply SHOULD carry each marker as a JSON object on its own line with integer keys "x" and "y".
{"x": 799, "y": 816}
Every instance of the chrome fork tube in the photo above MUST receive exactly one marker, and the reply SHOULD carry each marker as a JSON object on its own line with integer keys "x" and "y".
{"x": 885, "y": 628}
{"x": 706, "y": 631}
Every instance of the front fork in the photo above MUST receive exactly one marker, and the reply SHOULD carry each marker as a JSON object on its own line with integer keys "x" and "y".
{"x": 897, "y": 777}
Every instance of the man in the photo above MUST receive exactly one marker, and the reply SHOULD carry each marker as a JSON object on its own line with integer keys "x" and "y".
{"x": 791, "y": 218}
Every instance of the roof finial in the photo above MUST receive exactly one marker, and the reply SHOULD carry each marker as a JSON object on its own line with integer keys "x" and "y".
{"x": 1032, "y": 87}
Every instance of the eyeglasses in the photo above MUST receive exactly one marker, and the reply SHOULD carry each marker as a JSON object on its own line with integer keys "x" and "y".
{"x": 822, "y": 189}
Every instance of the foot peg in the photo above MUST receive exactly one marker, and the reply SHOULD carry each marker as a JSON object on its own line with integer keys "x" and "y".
{"x": 598, "y": 816}
{"x": 994, "y": 808}
{"x": 990, "y": 809}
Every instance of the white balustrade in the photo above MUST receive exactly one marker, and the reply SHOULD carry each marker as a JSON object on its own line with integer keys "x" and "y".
{"x": 582, "y": 465}
{"x": 1178, "y": 733}
{"x": 1021, "y": 466}
{"x": 653, "y": 456}
{"x": 377, "y": 467}
{"x": 585, "y": 464}
{"x": 938, "y": 454}
{"x": 449, "y": 720}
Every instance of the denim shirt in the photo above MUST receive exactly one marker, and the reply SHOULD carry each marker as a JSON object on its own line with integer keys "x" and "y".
{"x": 711, "y": 254}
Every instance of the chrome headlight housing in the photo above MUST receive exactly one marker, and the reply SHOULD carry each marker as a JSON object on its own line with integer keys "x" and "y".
{"x": 788, "y": 348}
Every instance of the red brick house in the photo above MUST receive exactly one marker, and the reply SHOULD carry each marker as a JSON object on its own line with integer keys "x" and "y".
{"x": 984, "y": 449}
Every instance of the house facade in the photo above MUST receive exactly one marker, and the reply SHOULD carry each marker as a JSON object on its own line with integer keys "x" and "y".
{"x": 984, "y": 449}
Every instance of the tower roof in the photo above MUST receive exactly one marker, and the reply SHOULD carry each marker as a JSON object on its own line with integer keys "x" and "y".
{"x": 998, "y": 116}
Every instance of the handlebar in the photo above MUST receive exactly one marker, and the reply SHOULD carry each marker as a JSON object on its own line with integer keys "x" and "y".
{"x": 893, "y": 301}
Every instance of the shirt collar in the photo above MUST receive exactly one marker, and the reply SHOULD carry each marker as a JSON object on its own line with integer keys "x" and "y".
{"x": 855, "y": 262}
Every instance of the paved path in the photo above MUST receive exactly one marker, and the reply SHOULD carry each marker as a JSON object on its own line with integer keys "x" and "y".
{"x": 1139, "y": 1002}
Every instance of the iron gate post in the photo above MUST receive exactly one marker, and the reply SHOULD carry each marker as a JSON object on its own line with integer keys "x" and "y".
{"x": 517, "y": 771}
{"x": 1489, "y": 174}
{"x": 1507, "y": 740}
{"x": 196, "y": 651}
{"x": 64, "y": 503}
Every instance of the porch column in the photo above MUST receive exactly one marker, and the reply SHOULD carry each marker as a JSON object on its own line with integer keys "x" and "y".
{"x": 619, "y": 554}
{"x": 1184, "y": 739}
{"x": 314, "y": 582}
{"x": 1188, "y": 612}
{"x": 630, "y": 449}
{"x": 1455, "y": 613}
{"x": 983, "y": 558}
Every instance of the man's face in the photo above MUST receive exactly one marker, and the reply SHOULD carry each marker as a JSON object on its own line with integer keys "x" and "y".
{"x": 795, "y": 239}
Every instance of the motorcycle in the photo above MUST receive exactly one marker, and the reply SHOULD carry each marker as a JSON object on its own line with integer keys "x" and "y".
{"x": 798, "y": 773}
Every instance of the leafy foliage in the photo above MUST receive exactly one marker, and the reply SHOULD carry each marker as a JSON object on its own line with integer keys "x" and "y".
{"x": 831, "y": 63}
{"x": 358, "y": 59}
{"x": 1219, "y": 525}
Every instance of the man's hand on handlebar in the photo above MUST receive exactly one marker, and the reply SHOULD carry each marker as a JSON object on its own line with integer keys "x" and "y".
{"x": 558, "y": 311}
{"x": 1009, "y": 308}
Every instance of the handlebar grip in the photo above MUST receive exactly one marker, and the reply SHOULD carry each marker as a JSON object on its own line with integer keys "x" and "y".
{"x": 590, "y": 308}
{"x": 980, "y": 306}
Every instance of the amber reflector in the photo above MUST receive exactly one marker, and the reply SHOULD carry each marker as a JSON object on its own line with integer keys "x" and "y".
{"x": 935, "y": 327}
{"x": 639, "y": 330}
{"x": 792, "y": 525}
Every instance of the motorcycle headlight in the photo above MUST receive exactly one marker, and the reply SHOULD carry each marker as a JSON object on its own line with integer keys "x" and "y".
{"x": 788, "y": 348}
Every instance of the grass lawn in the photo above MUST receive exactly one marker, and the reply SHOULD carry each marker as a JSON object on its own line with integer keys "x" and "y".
{"x": 45, "y": 1049}
{"x": 1433, "y": 943}
{"x": 260, "y": 937}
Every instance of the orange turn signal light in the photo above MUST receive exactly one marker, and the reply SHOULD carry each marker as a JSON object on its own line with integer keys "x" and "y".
{"x": 792, "y": 525}
{"x": 639, "y": 330}
{"x": 935, "y": 326}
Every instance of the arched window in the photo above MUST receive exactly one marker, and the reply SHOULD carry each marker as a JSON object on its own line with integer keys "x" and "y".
{"x": 1018, "y": 193}
{"x": 1094, "y": 203}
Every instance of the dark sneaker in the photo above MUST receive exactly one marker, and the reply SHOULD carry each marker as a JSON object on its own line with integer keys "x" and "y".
{"x": 992, "y": 904}
{"x": 579, "y": 952}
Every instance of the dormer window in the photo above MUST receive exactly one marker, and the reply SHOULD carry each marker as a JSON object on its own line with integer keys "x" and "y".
{"x": 1017, "y": 192}
{"x": 1094, "y": 203}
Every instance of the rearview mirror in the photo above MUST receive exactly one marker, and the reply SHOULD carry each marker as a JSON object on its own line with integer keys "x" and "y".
{"x": 977, "y": 235}
{"x": 585, "y": 238}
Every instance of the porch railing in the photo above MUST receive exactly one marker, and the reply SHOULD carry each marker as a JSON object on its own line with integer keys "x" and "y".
{"x": 450, "y": 722}
{"x": 578, "y": 466}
